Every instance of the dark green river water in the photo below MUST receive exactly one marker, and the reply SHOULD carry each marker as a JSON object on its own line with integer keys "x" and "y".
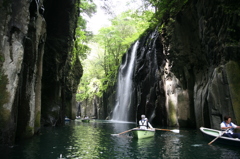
{"x": 78, "y": 140}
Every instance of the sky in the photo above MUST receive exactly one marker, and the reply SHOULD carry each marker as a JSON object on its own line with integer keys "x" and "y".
{"x": 101, "y": 19}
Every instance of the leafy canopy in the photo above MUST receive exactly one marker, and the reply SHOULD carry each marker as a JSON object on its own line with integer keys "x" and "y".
{"x": 107, "y": 49}
{"x": 87, "y": 8}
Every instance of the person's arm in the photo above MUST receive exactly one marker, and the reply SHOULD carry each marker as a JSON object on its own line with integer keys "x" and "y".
{"x": 224, "y": 127}
{"x": 139, "y": 123}
{"x": 150, "y": 125}
{"x": 235, "y": 126}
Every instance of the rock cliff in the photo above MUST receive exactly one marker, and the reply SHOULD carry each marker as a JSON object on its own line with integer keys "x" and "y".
{"x": 187, "y": 70}
{"x": 61, "y": 72}
{"x": 203, "y": 49}
{"x": 30, "y": 36}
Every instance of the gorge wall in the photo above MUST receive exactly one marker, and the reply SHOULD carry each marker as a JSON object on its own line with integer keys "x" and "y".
{"x": 37, "y": 78}
{"x": 202, "y": 80}
{"x": 187, "y": 70}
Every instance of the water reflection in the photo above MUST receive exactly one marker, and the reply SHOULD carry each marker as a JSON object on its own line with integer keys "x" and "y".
{"x": 226, "y": 151}
{"x": 171, "y": 146}
{"x": 94, "y": 140}
{"x": 119, "y": 127}
{"x": 144, "y": 147}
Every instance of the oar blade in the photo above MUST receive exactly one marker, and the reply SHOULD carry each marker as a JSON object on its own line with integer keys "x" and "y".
{"x": 176, "y": 131}
{"x": 115, "y": 134}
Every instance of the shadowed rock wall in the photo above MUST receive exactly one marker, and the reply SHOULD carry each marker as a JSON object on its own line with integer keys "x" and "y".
{"x": 61, "y": 73}
{"x": 36, "y": 65}
{"x": 205, "y": 56}
{"x": 22, "y": 34}
{"x": 198, "y": 68}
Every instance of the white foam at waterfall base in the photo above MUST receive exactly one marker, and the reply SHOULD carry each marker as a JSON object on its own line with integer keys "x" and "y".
{"x": 124, "y": 87}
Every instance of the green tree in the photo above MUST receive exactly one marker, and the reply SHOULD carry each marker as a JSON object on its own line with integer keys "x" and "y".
{"x": 87, "y": 8}
{"x": 107, "y": 48}
{"x": 165, "y": 7}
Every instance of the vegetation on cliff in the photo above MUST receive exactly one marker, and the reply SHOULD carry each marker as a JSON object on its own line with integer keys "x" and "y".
{"x": 108, "y": 47}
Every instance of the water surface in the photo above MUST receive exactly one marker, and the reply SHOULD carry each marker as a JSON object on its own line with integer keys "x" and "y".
{"x": 77, "y": 140}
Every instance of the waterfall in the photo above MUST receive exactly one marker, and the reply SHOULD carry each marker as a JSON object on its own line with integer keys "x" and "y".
{"x": 124, "y": 86}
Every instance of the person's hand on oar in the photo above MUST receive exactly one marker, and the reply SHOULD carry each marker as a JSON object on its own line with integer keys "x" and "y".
{"x": 123, "y": 132}
{"x": 175, "y": 130}
{"x": 218, "y": 137}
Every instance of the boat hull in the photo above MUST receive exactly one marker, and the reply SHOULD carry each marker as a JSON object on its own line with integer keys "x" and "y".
{"x": 212, "y": 134}
{"x": 142, "y": 133}
{"x": 67, "y": 119}
{"x": 86, "y": 120}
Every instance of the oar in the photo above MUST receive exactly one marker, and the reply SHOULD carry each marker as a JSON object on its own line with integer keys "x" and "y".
{"x": 218, "y": 137}
{"x": 175, "y": 130}
{"x": 122, "y": 132}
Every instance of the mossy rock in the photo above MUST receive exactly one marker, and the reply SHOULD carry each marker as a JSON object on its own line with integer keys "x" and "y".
{"x": 172, "y": 114}
{"x": 37, "y": 123}
{"x": 233, "y": 76}
{"x": 4, "y": 98}
{"x": 29, "y": 132}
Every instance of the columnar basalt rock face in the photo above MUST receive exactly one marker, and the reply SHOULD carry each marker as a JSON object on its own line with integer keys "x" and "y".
{"x": 148, "y": 75}
{"x": 24, "y": 34}
{"x": 60, "y": 76}
{"x": 205, "y": 56}
{"x": 92, "y": 108}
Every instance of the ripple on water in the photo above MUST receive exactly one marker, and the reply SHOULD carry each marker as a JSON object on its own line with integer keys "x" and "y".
{"x": 93, "y": 140}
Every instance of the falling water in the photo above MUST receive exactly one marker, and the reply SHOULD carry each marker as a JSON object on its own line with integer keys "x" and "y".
{"x": 124, "y": 87}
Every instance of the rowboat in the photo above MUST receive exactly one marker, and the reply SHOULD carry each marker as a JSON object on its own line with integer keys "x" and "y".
{"x": 67, "y": 119}
{"x": 85, "y": 120}
{"x": 78, "y": 118}
{"x": 143, "y": 133}
{"x": 212, "y": 134}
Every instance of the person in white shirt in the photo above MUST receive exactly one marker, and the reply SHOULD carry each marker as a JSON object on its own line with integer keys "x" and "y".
{"x": 144, "y": 124}
{"x": 227, "y": 124}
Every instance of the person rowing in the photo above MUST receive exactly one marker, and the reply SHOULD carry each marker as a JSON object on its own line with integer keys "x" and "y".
{"x": 143, "y": 123}
{"x": 227, "y": 124}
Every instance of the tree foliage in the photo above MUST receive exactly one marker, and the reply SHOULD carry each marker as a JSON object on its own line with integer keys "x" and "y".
{"x": 108, "y": 46}
{"x": 82, "y": 36}
{"x": 164, "y": 8}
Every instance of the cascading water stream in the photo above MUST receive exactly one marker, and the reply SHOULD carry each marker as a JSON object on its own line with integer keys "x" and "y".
{"x": 124, "y": 87}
